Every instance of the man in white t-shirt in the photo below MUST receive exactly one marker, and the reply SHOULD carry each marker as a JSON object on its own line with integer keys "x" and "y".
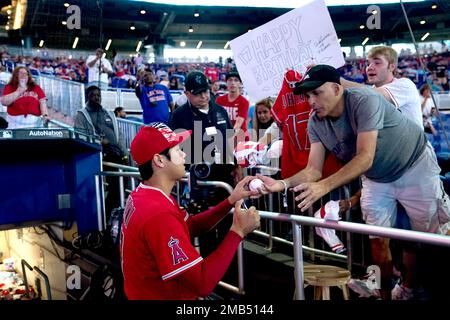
{"x": 402, "y": 93}
{"x": 98, "y": 70}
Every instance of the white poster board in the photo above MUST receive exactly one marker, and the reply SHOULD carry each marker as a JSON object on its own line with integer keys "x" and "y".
{"x": 292, "y": 41}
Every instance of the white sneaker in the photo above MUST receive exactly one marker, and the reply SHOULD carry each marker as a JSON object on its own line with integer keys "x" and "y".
{"x": 361, "y": 288}
{"x": 402, "y": 293}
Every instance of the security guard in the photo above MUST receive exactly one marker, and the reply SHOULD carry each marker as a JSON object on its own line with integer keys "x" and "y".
{"x": 212, "y": 131}
{"x": 210, "y": 153}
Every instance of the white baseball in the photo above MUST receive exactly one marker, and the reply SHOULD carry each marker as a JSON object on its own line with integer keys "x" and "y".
{"x": 255, "y": 185}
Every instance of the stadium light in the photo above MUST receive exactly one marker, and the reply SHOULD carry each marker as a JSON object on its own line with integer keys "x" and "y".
{"x": 361, "y": 26}
{"x": 108, "y": 44}
{"x": 425, "y": 36}
{"x": 422, "y": 21}
{"x": 8, "y": 12}
{"x": 199, "y": 44}
{"x": 66, "y": 5}
{"x": 19, "y": 15}
{"x": 196, "y": 14}
{"x": 191, "y": 29}
{"x": 226, "y": 45}
{"x": 365, "y": 41}
{"x": 7, "y": 27}
{"x": 41, "y": 43}
{"x": 64, "y": 22}
{"x": 139, "y": 46}
{"x": 374, "y": 11}
{"x": 182, "y": 44}
{"x": 339, "y": 40}
{"x": 434, "y": 6}
{"x": 132, "y": 27}
{"x": 75, "y": 42}
{"x": 143, "y": 11}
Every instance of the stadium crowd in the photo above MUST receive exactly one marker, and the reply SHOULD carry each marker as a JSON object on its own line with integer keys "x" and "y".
{"x": 126, "y": 70}
{"x": 232, "y": 111}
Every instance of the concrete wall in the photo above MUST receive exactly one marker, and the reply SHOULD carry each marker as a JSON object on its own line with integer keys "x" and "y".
{"x": 36, "y": 248}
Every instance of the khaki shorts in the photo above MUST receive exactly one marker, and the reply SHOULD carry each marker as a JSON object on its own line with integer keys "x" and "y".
{"x": 419, "y": 190}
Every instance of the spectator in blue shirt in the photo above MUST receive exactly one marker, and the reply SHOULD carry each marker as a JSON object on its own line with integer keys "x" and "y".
{"x": 155, "y": 99}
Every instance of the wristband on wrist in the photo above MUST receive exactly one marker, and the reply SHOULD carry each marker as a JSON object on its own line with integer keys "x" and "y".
{"x": 284, "y": 193}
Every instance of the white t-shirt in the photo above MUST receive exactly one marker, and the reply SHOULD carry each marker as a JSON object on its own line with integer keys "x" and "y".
{"x": 426, "y": 111}
{"x": 405, "y": 96}
{"x": 181, "y": 100}
{"x": 93, "y": 72}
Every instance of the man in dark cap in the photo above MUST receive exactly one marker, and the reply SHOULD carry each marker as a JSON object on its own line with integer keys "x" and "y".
{"x": 209, "y": 154}
{"x": 374, "y": 141}
{"x": 208, "y": 121}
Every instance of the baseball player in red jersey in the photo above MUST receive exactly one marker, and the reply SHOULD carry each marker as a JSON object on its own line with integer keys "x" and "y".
{"x": 158, "y": 260}
{"x": 235, "y": 104}
{"x": 291, "y": 113}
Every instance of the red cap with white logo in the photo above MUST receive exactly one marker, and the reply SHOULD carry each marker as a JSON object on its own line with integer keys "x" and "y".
{"x": 153, "y": 139}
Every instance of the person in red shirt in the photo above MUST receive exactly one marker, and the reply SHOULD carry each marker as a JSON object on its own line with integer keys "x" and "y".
{"x": 212, "y": 72}
{"x": 25, "y": 101}
{"x": 291, "y": 113}
{"x": 235, "y": 104}
{"x": 158, "y": 260}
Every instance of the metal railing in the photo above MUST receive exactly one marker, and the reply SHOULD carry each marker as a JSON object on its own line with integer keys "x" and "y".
{"x": 64, "y": 96}
{"x": 126, "y": 98}
{"x": 297, "y": 222}
{"x": 24, "y": 264}
{"x": 128, "y": 129}
{"x": 315, "y": 246}
{"x": 126, "y": 171}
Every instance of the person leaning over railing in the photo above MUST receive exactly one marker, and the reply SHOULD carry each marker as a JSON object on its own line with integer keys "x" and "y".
{"x": 376, "y": 141}
{"x": 26, "y": 101}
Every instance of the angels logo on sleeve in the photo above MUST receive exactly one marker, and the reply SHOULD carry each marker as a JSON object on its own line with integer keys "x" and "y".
{"x": 177, "y": 253}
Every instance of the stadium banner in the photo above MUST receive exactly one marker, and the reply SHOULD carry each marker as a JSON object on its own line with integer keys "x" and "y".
{"x": 292, "y": 41}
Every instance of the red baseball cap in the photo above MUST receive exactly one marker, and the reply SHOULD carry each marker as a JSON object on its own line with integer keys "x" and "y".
{"x": 153, "y": 139}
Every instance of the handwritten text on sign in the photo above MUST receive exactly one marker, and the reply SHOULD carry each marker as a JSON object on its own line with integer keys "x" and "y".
{"x": 293, "y": 40}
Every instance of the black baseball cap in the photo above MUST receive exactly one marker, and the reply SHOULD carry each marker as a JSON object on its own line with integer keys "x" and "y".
{"x": 196, "y": 82}
{"x": 233, "y": 73}
{"x": 317, "y": 76}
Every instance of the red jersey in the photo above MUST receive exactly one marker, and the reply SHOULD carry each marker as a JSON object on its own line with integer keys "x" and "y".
{"x": 291, "y": 112}
{"x": 237, "y": 108}
{"x": 158, "y": 259}
{"x": 27, "y": 103}
{"x": 152, "y": 256}
{"x": 212, "y": 73}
